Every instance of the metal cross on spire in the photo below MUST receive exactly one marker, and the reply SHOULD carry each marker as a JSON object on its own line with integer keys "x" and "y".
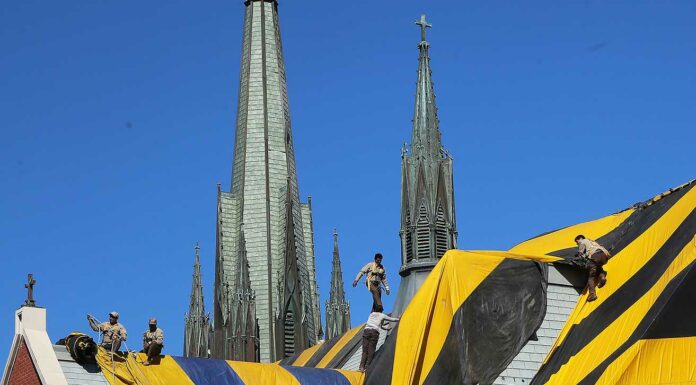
{"x": 424, "y": 26}
{"x": 30, "y": 291}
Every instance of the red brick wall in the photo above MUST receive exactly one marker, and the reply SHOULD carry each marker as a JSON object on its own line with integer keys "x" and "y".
{"x": 22, "y": 370}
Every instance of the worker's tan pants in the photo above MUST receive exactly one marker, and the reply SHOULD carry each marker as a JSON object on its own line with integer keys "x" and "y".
{"x": 376, "y": 291}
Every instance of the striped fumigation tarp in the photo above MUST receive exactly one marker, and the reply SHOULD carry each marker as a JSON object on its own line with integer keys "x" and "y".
{"x": 642, "y": 329}
{"x": 469, "y": 319}
{"x": 129, "y": 370}
{"x": 333, "y": 353}
{"x": 477, "y": 309}
{"x": 438, "y": 313}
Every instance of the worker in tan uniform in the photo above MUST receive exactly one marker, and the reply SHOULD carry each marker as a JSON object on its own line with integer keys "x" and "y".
{"x": 376, "y": 277}
{"x": 596, "y": 256}
{"x": 113, "y": 333}
{"x": 153, "y": 342}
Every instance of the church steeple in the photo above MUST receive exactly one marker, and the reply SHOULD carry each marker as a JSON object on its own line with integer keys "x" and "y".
{"x": 264, "y": 195}
{"x": 196, "y": 336}
{"x": 428, "y": 225}
{"x": 426, "y": 140}
{"x": 337, "y": 309}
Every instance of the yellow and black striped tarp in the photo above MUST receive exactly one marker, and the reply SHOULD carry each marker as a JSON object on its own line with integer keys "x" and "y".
{"x": 477, "y": 309}
{"x": 466, "y": 323}
{"x": 642, "y": 329}
{"x": 332, "y": 354}
{"x": 500, "y": 296}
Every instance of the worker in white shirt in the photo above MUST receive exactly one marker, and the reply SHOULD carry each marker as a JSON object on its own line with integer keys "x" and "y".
{"x": 376, "y": 321}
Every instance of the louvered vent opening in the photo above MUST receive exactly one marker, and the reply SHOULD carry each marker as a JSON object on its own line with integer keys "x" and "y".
{"x": 423, "y": 233}
{"x": 440, "y": 233}
{"x": 409, "y": 237}
{"x": 289, "y": 334}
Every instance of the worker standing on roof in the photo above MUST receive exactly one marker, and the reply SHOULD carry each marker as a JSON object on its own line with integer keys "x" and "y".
{"x": 376, "y": 277}
{"x": 113, "y": 333}
{"x": 596, "y": 256}
{"x": 153, "y": 342}
{"x": 376, "y": 321}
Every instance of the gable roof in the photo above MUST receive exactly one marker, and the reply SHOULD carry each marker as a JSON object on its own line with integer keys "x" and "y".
{"x": 78, "y": 374}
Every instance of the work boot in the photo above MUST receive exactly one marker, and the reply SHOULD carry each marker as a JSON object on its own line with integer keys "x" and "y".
{"x": 591, "y": 290}
{"x": 602, "y": 282}
{"x": 602, "y": 279}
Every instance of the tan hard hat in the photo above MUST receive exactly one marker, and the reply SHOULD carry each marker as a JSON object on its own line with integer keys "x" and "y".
{"x": 153, "y": 321}
{"x": 114, "y": 314}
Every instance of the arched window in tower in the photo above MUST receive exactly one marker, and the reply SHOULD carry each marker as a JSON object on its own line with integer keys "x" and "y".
{"x": 440, "y": 233}
{"x": 423, "y": 233}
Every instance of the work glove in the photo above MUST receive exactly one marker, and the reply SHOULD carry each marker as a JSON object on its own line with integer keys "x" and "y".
{"x": 92, "y": 322}
{"x": 386, "y": 289}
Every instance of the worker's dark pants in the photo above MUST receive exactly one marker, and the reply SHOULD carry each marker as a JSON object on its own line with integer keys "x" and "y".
{"x": 376, "y": 291}
{"x": 597, "y": 260}
{"x": 153, "y": 351}
{"x": 369, "y": 344}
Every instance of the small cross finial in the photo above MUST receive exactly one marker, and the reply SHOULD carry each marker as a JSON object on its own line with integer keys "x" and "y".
{"x": 30, "y": 291}
{"x": 424, "y": 26}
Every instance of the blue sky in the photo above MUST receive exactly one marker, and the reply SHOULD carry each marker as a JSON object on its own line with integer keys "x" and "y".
{"x": 118, "y": 122}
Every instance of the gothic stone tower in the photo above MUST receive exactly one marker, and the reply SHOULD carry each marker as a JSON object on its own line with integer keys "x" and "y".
{"x": 337, "y": 309}
{"x": 261, "y": 219}
{"x": 428, "y": 226}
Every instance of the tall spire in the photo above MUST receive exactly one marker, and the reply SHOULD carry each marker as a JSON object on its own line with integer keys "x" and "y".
{"x": 426, "y": 140}
{"x": 196, "y": 336}
{"x": 265, "y": 197}
{"x": 337, "y": 292}
{"x": 428, "y": 225}
{"x": 337, "y": 309}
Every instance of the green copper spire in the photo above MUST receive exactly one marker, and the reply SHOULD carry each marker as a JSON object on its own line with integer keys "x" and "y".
{"x": 264, "y": 197}
{"x": 196, "y": 336}
{"x": 426, "y": 132}
{"x": 428, "y": 225}
{"x": 337, "y": 309}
